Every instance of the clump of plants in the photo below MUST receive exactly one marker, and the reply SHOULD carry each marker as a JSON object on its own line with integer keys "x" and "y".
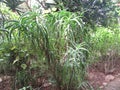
{"x": 52, "y": 40}
{"x": 56, "y": 45}
{"x": 105, "y": 47}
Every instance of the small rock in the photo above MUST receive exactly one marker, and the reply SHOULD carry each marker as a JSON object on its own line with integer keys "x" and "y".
{"x": 117, "y": 75}
{"x": 104, "y": 84}
{"x": 91, "y": 76}
{"x": 101, "y": 87}
{"x": 6, "y": 77}
{"x": 0, "y": 79}
{"x": 109, "y": 78}
{"x": 47, "y": 84}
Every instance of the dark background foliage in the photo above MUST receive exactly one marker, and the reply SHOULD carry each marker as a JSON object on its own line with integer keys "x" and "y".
{"x": 95, "y": 11}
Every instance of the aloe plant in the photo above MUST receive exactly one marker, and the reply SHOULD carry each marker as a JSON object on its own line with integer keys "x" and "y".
{"x": 55, "y": 39}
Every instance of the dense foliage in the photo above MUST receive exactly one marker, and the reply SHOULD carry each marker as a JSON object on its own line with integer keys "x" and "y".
{"x": 94, "y": 11}
{"x": 59, "y": 45}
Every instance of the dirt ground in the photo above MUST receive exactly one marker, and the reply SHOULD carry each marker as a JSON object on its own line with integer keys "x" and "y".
{"x": 5, "y": 83}
{"x": 113, "y": 85}
{"x": 101, "y": 80}
{"x": 96, "y": 77}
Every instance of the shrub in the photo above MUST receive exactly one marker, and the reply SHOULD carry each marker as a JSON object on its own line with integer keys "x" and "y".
{"x": 55, "y": 40}
{"x": 105, "y": 46}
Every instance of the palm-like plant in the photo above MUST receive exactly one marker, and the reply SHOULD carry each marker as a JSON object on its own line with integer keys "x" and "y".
{"x": 56, "y": 41}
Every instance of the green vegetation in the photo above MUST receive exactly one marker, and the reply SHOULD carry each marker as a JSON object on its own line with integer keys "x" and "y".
{"x": 59, "y": 45}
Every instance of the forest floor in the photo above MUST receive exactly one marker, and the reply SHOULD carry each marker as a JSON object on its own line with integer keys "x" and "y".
{"x": 5, "y": 82}
{"x": 102, "y": 80}
{"x": 97, "y": 77}
{"x": 113, "y": 85}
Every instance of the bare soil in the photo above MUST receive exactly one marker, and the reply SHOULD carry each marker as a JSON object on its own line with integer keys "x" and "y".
{"x": 6, "y": 83}
{"x": 96, "y": 77}
{"x": 113, "y": 85}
